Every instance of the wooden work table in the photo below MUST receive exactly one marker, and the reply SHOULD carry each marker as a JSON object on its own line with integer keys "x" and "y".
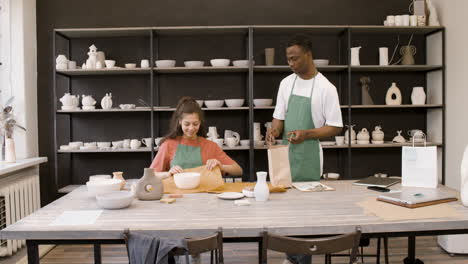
{"x": 290, "y": 213}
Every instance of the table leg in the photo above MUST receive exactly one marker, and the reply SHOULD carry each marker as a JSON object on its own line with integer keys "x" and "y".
{"x": 97, "y": 253}
{"x": 33, "y": 251}
{"x": 260, "y": 251}
{"x": 411, "y": 259}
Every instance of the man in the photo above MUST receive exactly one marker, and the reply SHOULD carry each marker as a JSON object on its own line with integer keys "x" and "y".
{"x": 307, "y": 109}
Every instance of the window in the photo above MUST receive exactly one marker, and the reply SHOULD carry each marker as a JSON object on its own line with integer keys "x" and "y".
{"x": 5, "y": 60}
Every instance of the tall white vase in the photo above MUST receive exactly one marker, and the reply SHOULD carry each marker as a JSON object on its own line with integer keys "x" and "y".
{"x": 10, "y": 152}
{"x": 418, "y": 96}
{"x": 261, "y": 190}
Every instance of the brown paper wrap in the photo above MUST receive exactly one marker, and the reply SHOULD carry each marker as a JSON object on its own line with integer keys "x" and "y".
{"x": 209, "y": 179}
{"x": 238, "y": 186}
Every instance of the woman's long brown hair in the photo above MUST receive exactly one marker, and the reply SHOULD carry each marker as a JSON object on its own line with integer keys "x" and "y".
{"x": 186, "y": 105}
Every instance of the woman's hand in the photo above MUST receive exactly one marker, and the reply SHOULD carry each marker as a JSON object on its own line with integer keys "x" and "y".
{"x": 211, "y": 163}
{"x": 175, "y": 169}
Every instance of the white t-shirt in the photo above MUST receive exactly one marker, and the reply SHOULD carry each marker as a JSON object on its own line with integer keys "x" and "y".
{"x": 325, "y": 104}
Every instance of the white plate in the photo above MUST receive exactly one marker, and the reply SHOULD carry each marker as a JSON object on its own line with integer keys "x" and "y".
{"x": 327, "y": 143}
{"x": 230, "y": 195}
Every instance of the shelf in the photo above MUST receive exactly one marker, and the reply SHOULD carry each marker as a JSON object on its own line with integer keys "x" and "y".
{"x": 200, "y": 69}
{"x": 396, "y": 30}
{"x": 396, "y": 68}
{"x": 105, "y": 71}
{"x": 393, "y": 106}
{"x": 105, "y": 32}
{"x": 285, "y": 68}
{"x": 143, "y": 149}
{"x": 385, "y": 145}
{"x": 305, "y": 29}
{"x": 200, "y": 30}
{"x": 112, "y": 110}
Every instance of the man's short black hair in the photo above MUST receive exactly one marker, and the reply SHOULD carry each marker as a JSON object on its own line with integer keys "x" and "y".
{"x": 302, "y": 41}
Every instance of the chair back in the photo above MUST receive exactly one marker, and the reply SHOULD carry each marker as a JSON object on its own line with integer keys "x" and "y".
{"x": 316, "y": 246}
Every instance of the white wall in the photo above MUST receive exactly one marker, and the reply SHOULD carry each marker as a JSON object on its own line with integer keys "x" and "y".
{"x": 452, "y": 14}
{"x": 24, "y": 75}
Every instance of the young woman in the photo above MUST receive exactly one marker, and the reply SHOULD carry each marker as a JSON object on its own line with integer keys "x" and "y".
{"x": 185, "y": 146}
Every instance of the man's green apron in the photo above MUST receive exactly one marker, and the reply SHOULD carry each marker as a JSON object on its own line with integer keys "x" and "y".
{"x": 304, "y": 158}
{"x": 187, "y": 157}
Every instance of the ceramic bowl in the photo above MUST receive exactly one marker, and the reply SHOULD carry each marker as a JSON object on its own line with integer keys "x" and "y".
{"x": 241, "y": 63}
{"x": 117, "y": 144}
{"x": 234, "y": 102}
{"x": 321, "y": 62}
{"x": 194, "y": 63}
{"x": 187, "y": 180}
{"x": 127, "y": 106}
{"x": 75, "y": 144}
{"x": 130, "y": 65}
{"x": 103, "y": 144}
{"x": 65, "y": 147}
{"x": 110, "y": 63}
{"x": 99, "y": 177}
{"x": 102, "y": 187}
{"x": 263, "y": 102}
{"x": 165, "y": 63}
{"x": 200, "y": 102}
{"x": 90, "y": 147}
{"x": 220, "y": 62}
{"x": 245, "y": 142}
{"x": 214, "y": 103}
{"x": 114, "y": 200}
{"x": 259, "y": 143}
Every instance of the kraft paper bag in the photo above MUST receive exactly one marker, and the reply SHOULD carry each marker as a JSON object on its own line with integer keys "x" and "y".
{"x": 419, "y": 167}
{"x": 278, "y": 166}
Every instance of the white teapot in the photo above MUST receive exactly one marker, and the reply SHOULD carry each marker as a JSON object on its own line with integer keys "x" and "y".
{"x": 70, "y": 102}
{"x": 88, "y": 102}
{"x": 377, "y": 135}
{"x": 106, "y": 101}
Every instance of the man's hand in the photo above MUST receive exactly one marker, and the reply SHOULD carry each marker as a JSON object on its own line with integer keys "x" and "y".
{"x": 175, "y": 169}
{"x": 297, "y": 136}
{"x": 270, "y": 136}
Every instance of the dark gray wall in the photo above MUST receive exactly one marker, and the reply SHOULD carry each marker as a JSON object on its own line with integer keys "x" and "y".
{"x": 124, "y": 13}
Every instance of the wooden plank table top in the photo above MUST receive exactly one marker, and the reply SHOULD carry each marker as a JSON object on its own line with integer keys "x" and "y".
{"x": 290, "y": 213}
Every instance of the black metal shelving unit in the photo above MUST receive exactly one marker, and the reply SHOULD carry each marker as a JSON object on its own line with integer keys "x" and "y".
{"x": 343, "y": 35}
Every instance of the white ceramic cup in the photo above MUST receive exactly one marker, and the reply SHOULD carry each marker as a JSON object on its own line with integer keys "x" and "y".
{"x": 126, "y": 143}
{"x": 339, "y": 140}
{"x": 398, "y": 21}
{"x": 147, "y": 141}
{"x": 406, "y": 20}
{"x": 390, "y": 20}
{"x": 331, "y": 176}
{"x": 270, "y": 56}
{"x": 383, "y": 56}
{"x": 231, "y": 142}
{"x": 219, "y": 141}
{"x": 157, "y": 141}
{"x": 413, "y": 20}
{"x": 135, "y": 144}
{"x": 109, "y": 63}
{"x": 71, "y": 65}
{"x": 144, "y": 64}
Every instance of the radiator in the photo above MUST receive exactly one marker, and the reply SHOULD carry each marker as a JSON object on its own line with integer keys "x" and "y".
{"x": 19, "y": 197}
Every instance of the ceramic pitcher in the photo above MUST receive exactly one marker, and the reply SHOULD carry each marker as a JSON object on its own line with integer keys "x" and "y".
{"x": 407, "y": 53}
{"x": 149, "y": 187}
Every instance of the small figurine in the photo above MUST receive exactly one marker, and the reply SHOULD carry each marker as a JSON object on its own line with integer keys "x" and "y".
{"x": 92, "y": 59}
{"x": 399, "y": 138}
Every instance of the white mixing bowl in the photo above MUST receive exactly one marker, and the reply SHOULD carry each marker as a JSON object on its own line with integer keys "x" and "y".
{"x": 187, "y": 180}
{"x": 321, "y": 62}
{"x": 214, "y": 103}
{"x": 234, "y": 102}
{"x": 165, "y": 63}
{"x": 220, "y": 62}
{"x": 262, "y": 102}
{"x": 103, "y": 186}
{"x": 114, "y": 200}
{"x": 194, "y": 63}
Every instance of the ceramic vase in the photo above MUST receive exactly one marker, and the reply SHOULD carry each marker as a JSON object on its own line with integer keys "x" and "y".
{"x": 355, "y": 56}
{"x": 106, "y": 102}
{"x": 119, "y": 176}
{"x": 10, "y": 152}
{"x": 261, "y": 190}
{"x": 464, "y": 178}
{"x": 353, "y": 134}
{"x": 149, "y": 187}
{"x": 418, "y": 96}
{"x": 407, "y": 53}
{"x": 393, "y": 96}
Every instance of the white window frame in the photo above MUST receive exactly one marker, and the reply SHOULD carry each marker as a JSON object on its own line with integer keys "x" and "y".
{"x": 5, "y": 50}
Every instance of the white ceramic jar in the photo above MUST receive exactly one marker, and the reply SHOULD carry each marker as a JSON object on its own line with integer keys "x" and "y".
{"x": 261, "y": 190}
{"x": 418, "y": 96}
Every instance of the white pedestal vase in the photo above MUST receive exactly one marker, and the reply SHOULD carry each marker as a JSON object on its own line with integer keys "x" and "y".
{"x": 10, "y": 152}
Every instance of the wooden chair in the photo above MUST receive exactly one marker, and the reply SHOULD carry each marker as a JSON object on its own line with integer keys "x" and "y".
{"x": 316, "y": 246}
